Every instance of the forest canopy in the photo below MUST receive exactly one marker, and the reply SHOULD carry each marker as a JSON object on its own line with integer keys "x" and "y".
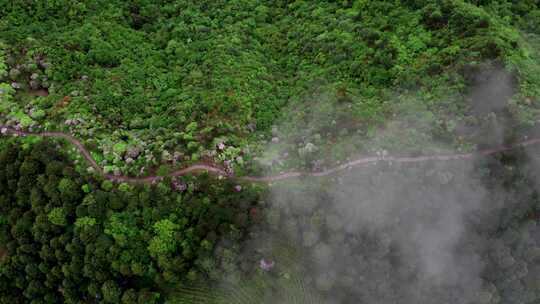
{"x": 181, "y": 76}
{"x": 253, "y": 88}
{"x": 125, "y": 244}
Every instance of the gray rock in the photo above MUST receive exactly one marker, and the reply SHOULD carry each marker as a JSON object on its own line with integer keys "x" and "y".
{"x": 178, "y": 155}
{"x": 34, "y": 85}
{"x": 43, "y": 64}
{"x": 179, "y": 186}
{"x": 307, "y": 149}
{"x": 133, "y": 152}
{"x": 165, "y": 155}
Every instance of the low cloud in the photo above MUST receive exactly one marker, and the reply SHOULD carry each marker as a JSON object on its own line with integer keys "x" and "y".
{"x": 407, "y": 233}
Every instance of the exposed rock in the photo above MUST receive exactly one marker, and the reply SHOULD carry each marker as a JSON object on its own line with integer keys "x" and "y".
{"x": 34, "y": 85}
{"x": 44, "y": 65}
{"x": 177, "y": 156}
{"x": 133, "y": 152}
{"x": 166, "y": 156}
{"x": 179, "y": 186}
{"x": 316, "y": 165}
{"x": 307, "y": 149}
{"x": 71, "y": 122}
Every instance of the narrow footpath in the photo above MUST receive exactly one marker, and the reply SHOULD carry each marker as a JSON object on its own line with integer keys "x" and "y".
{"x": 215, "y": 170}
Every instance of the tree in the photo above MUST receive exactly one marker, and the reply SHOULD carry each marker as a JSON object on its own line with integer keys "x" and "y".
{"x": 69, "y": 190}
{"x": 58, "y": 216}
{"x": 164, "y": 241}
{"x": 111, "y": 292}
{"x": 129, "y": 297}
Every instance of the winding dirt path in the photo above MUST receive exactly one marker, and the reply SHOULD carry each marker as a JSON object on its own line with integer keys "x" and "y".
{"x": 214, "y": 169}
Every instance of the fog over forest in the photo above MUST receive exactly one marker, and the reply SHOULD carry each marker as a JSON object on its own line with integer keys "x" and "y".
{"x": 458, "y": 231}
{"x": 270, "y": 152}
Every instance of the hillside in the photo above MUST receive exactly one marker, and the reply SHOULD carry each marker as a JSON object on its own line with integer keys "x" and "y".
{"x": 144, "y": 91}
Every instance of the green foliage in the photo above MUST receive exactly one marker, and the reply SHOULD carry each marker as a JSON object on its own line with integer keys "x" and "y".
{"x": 185, "y": 76}
{"x": 120, "y": 147}
{"x": 57, "y": 216}
{"x": 122, "y": 228}
{"x": 285, "y": 284}
{"x": 112, "y": 244}
{"x": 84, "y": 222}
{"x": 3, "y": 66}
{"x": 182, "y": 74}
{"x": 67, "y": 186}
{"x": 111, "y": 292}
{"x": 163, "y": 242}
{"x": 106, "y": 185}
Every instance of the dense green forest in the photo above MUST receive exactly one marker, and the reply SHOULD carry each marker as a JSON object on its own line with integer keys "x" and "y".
{"x": 170, "y": 80}
{"x": 67, "y": 238}
{"x": 259, "y": 87}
